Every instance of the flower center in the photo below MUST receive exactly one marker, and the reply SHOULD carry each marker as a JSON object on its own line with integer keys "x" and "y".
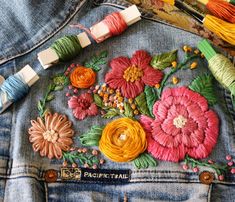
{"x": 51, "y": 136}
{"x": 122, "y": 137}
{"x": 179, "y": 121}
{"x": 132, "y": 74}
{"x": 84, "y": 104}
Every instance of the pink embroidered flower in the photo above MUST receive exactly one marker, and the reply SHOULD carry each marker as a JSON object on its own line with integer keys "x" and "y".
{"x": 52, "y": 136}
{"x": 83, "y": 106}
{"x": 131, "y": 75}
{"x": 183, "y": 125}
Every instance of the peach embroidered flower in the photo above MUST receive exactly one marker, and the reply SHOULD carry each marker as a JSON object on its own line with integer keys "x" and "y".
{"x": 52, "y": 136}
{"x": 183, "y": 125}
{"x": 131, "y": 75}
{"x": 123, "y": 140}
{"x": 83, "y": 106}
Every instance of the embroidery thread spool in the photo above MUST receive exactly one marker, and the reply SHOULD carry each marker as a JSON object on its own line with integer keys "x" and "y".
{"x": 63, "y": 49}
{"x": 221, "y": 9}
{"x": 220, "y": 66}
{"x": 223, "y": 29}
{"x": 16, "y": 87}
{"x": 113, "y": 24}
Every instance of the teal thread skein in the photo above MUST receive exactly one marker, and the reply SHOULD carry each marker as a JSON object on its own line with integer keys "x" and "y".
{"x": 221, "y": 67}
{"x": 14, "y": 89}
{"x": 67, "y": 47}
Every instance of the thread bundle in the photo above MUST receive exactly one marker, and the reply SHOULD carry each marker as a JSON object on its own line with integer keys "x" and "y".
{"x": 221, "y": 9}
{"x": 67, "y": 47}
{"x": 12, "y": 89}
{"x": 220, "y": 66}
{"x": 114, "y": 22}
{"x": 223, "y": 29}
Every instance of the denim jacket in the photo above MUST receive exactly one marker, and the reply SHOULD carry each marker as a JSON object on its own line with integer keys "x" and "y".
{"x": 30, "y": 26}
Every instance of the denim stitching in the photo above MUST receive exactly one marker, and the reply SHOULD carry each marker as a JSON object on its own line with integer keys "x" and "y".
{"x": 209, "y": 192}
{"x": 46, "y": 191}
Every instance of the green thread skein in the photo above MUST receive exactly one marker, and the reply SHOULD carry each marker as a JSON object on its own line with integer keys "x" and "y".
{"x": 67, "y": 47}
{"x": 221, "y": 67}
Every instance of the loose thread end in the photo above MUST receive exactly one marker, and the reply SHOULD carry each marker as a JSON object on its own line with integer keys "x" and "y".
{"x": 205, "y": 47}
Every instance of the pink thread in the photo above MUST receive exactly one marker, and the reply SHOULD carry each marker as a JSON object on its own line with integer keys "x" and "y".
{"x": 183, "y": 125}
{"x": 115, "y": 23}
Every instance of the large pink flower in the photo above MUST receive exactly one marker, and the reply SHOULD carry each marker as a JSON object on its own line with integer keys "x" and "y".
{"x": 183, "y": 125}
{"x": 131, "y": 75}
{"x": 83, "y": 106}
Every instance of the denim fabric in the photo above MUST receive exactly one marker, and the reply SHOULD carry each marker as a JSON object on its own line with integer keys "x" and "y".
{"x": 21, "y": 170}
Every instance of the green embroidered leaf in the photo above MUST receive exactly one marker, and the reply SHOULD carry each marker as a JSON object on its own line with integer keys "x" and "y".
{"x": 142, "y": 104}
{"x": 164, "y": 60}
{"x": 144, "y": 160}
{"x": 98, "y": 100}
{"x": 45, "y": 112}
{"x": 40, "y": 107}
{"x": 204, "y": 85}
{"x": 151, "y": 98}
{"x": 92, "y": 137}
{"x": 58, "y": 88}
{"x": 110, "y": 114}
{"x": 50, "y": 97}
{"x": 97, "y": 60}
{"x": 128, "y": 111}
{"x": 60, "y": 80}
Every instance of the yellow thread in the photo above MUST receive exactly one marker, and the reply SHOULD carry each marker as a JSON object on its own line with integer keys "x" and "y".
{"x": 204, "y": 2}
{"x": 224, "y": 71}
{"x": 223, "y": 29}
{"x": 123, "y": 140}
{"x": 171, "y": 2}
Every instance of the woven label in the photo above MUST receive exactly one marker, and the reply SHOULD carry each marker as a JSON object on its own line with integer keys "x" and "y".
{"x": 102, "y": 175}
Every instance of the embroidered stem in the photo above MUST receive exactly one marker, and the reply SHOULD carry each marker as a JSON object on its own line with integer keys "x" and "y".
{"x": 174, "y": 70}
{"x": 219, "y": 169}
{"x": 58, "y": 83}
{"x": 82, "y": 157}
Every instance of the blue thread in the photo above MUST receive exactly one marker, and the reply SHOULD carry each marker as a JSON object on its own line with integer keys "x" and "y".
{"x": 15, "y": 88}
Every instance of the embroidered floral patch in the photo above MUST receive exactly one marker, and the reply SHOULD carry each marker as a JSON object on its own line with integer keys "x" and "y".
{"x": 183, "y": 125}
{"x": 52, "y": 136}
{"x": 131, "y": 75}
{"x": 175, "y": 124}
{"x": 121, "y": 140}
{"x": 83, "y": 106}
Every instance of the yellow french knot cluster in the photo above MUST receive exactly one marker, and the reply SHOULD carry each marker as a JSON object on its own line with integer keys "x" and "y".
{"x": 123, "y": 140}
{"x": 132, "y": 74}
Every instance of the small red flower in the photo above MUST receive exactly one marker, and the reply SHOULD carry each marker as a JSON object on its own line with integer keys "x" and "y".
{"x": 83, "y": 106}
{"x": 131, "y": 75}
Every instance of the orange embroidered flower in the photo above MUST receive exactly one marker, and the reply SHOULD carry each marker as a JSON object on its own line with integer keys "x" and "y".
{"x": 82, "y": 77}
{"x": 52, "y": 136}
{"x": 123, "y": 140}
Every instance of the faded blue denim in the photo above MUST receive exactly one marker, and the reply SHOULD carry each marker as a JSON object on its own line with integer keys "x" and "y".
{"x": 29, "y": 26}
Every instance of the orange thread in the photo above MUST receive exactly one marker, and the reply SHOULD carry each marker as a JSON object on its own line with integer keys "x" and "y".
{"x": 222, "y": 9}
{"x": 82, "y": 77}
{"x": 123, "y": 140}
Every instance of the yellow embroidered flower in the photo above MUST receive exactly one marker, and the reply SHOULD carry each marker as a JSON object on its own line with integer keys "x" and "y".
{"x": 123, "y": 140}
